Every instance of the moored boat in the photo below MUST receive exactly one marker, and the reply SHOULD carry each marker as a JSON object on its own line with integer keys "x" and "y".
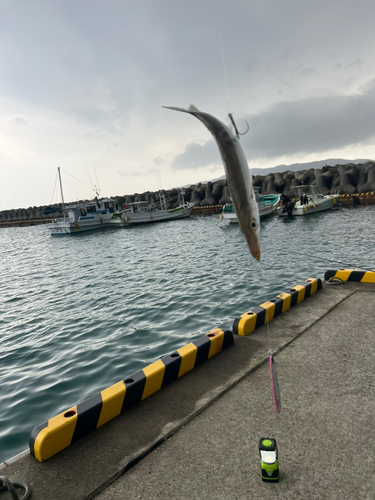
{"x": 310, "y": 201}
{"x": 88, "y": 216}
{"x": 143, "y": 212}
{"x": 266, "y": 205}
{"x": 84, "y": 217}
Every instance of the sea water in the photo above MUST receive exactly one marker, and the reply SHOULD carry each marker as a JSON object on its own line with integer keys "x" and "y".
{"x": 79, "y": 313}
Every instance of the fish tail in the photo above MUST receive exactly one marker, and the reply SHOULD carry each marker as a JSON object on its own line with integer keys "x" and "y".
{"x": 191, "y": 109}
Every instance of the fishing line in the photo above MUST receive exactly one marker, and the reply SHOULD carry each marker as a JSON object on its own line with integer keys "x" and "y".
{"x": 338, "y": 262}
{"x": 273, "y": 374}
{"x": 223, "y": 54}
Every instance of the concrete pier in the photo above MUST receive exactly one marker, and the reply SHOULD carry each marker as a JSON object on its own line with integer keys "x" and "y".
{"x": 197, "y": 438}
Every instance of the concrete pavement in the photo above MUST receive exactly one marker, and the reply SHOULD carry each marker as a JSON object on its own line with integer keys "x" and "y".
{"x": 324, "y": 430}
{"x": 197, "y": 438}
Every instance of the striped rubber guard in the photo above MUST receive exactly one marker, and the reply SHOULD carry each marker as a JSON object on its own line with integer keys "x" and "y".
{"x": 59, "y": 432}
{"x": 357, "y": 275}
{"x": 261, "y": 315}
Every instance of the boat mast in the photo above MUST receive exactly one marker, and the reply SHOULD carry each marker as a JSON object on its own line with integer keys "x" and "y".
{"x": 162, "y": 201}
{"x": 62, "y": 194}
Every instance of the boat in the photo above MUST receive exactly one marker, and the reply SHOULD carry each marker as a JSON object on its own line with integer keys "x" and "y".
{"x": 266, "y": 205}
{"x": 142, "y": 212}
{"x": 81, "y": 217}
{"x": 310, "y": 201}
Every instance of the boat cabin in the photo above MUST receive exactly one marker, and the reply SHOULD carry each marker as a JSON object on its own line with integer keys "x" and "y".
{"x": 84, "y": 211}
{"x": 228, "y": 208}
{"x": 311, "y": 192}
{"x": 103, "y": 206}
{"x": 140, "y": 206}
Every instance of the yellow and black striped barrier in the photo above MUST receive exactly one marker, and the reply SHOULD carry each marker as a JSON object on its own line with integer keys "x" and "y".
{"x": 61, "y": 431}
{"x": 259, "y": 316}
{"x": 358, "y": 275}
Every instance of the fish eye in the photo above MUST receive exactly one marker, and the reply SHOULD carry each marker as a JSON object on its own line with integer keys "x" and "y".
{"x": 253, "y": 224}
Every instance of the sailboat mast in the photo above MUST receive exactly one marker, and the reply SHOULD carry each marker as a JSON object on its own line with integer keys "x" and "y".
{"x": 62, "y": 194}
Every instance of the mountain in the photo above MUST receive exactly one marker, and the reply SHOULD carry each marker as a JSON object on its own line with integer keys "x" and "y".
{"x": 305, "y": 166}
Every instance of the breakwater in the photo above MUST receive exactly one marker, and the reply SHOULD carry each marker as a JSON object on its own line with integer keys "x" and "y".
{"x": 345, "y": 200}
{"x": 356, "y": 184}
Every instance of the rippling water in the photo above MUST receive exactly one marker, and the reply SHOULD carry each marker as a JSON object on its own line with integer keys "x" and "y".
{"x": 80, "y": 313}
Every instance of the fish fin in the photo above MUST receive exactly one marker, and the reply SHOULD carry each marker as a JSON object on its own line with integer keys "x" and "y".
{"x": 191, "y": 109}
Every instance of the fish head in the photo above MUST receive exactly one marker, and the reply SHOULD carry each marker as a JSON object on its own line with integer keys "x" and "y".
{"x": 252, "y": 229}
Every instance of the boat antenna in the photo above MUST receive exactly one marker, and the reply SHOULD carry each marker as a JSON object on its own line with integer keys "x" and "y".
{"x": 97, "y": 181}
{"x": 158, "y": 181}
{"x": 62, "y": 194}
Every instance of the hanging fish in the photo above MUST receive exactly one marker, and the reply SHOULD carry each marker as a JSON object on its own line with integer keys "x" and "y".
{"x": 238, "y": 176}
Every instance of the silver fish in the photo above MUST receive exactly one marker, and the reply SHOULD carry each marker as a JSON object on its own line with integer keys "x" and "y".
{"x": 238, "y": 177}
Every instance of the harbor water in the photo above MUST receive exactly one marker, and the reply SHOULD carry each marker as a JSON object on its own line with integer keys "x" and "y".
{"x": 80, "y": 313}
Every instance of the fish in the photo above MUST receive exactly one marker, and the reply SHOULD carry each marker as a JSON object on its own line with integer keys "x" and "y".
{"x": 238, "y": 176}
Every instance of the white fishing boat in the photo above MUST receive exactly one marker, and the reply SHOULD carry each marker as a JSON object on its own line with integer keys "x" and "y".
{"x": 81, "y": 217}
{"x": 266, "y": 205}
{"x": 143, "y": 212}
{"x": 310, "y": 202}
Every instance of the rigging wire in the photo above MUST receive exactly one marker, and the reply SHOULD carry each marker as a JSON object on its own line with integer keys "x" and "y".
{"x": 76, "y": 179}
{"x": 92, "y": 185}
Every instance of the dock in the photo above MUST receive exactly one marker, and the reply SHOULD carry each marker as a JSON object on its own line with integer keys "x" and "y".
{"x": 197, "y": 438}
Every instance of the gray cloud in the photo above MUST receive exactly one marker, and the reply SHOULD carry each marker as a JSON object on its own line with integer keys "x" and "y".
{"x": 356, "y": 65}
{"x": 18, "y": 120}
{"x": 291, "y": 127}
{"x": 197, "y": 156}
{"x": 89, "y": 78}
{"x": 136, "y": 174}
{"x": 311, "y": 125}
{"x": 153, "y": 171}
{"x": 111, "y": 120}
{"x": 158, "y": 160}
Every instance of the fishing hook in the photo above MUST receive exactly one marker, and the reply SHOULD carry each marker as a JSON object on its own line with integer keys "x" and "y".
{"x": 235, "y": 128}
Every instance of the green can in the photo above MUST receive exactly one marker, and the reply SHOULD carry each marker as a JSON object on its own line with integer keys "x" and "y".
{"x": 269, "y": 460}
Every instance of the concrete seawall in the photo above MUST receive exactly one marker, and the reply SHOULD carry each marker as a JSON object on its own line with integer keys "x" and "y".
{"x": 197, "y": 438}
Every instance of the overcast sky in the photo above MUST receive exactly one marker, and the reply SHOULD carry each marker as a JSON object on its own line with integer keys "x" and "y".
{"x": 83, "y": 82}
